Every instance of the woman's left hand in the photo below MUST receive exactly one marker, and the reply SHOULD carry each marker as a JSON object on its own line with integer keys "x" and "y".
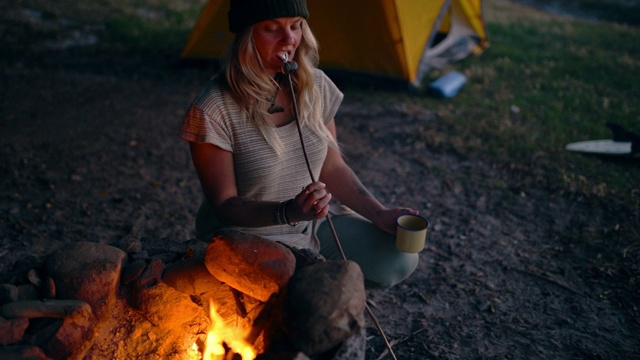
{"x": 386, "y": 219}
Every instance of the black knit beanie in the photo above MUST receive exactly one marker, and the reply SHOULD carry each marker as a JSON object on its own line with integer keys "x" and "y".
{"x": 243, "y": 13}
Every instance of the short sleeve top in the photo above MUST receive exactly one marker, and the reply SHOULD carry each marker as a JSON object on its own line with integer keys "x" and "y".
{"x": 261, "y": 173}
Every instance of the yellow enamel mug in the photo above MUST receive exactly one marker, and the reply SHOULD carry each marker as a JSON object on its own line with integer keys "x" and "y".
{"x": 411, "y": 234}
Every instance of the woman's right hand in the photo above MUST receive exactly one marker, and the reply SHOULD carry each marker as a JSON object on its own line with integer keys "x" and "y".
{"x": 310, "y": 204}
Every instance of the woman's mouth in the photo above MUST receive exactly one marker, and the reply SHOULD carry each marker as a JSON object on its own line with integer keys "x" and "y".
{"x": 283, "y": 55}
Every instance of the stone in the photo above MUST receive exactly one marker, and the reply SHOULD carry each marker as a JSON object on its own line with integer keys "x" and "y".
{"x": 191, "y": 277}
{"x": 70, "y": 336}
{"x": 22, "y": 266}
{"x": 324, "y": 305}
{"x": 251, "y": 264}
{"x": 168, "y": 308}
{"x": 152, "y": 273}
{"x": 142, "y": 255}
{"x": 89, "y": 272}
{"x": 28, "y": 292}
{"x": 354, "y": 347}
{"x": 12, "y": 330}
{"x": 34, "y": 278}
{"x": 306, "y": 257}
{"x": 44, "y": 309}
{"x": 8, "y": 293}
{"x": 156, "y": 247}
{"x": 23, "y": 352}
{"x": 131, "y": 244}
{"x": 48, "y": 288}
{"x": 132, "y": 271}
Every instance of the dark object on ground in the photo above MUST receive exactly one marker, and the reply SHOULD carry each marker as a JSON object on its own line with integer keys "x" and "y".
{"x": 624, "y": 135}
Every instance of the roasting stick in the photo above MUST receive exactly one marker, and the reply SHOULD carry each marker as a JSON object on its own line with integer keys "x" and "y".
{"x": 289, "y": 67}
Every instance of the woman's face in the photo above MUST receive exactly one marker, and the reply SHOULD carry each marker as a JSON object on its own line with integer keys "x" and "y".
{"x": 276, "y": 39}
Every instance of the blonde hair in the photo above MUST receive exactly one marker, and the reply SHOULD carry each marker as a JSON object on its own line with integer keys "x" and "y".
{"x": 250, "y": 85}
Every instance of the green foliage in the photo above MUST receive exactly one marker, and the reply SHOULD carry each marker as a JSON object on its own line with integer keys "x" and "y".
{"x": 547, "y": 81}
{"x": 152, "y": 25}
{"x": 134, "y": 26}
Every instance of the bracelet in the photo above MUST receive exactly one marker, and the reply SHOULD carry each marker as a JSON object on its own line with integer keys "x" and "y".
{"x": 284, "y": 214}
{"x": 280, "y": 217}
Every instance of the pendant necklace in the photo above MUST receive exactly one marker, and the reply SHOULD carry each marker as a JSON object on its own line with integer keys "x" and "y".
{"x": 274, "y": 108}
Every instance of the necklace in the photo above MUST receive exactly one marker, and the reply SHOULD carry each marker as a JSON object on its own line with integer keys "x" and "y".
{"x": 274, "y": 108}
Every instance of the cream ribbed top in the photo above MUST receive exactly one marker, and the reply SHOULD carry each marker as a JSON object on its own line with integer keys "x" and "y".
{"x": 260, "y": 173}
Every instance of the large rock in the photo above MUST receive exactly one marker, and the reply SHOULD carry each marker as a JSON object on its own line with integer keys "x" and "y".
{"x": 89, "y": 272}
{"x": 251, "y": 264}
{"x": 324, "y": 305}
{"x": 166, "y": 307}
{"x": 11, "y": 330}
{"x": 70, "y": 336}
{"x": 190, "y": 276}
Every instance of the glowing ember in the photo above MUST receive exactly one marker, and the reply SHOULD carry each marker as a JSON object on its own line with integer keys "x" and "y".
{"x": 218, "y": 335}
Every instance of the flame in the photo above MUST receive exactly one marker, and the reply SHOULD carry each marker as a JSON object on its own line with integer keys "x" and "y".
{"x": 218, "y": 334}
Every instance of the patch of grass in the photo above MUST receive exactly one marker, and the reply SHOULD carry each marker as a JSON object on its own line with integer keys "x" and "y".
{"x": 547, "y": 81}
{"x": 620, "y": 11}
{"x": 133, "y": 26}
{"x": 153, "y": 25}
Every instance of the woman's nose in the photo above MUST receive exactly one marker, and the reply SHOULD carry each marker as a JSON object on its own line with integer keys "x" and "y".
{"x": 287, "y": 37}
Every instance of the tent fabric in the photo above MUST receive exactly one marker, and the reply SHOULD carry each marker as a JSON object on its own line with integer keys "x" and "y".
{"x": 401, "y": 39}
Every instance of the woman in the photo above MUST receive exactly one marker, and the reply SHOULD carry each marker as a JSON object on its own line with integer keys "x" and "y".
{"x": 247, "y": 152}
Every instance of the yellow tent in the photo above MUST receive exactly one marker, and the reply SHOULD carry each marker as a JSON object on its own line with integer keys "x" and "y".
{"x": 400, "y": 39}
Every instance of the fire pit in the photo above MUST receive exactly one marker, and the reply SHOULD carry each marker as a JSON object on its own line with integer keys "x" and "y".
{"x": 237, "y": 297}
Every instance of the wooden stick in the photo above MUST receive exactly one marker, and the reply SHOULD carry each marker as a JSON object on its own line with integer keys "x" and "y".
{"x": 333, "y": 230}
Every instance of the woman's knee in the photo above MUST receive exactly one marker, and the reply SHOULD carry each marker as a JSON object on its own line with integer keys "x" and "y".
{"x": 392, "y": 271}
{"x": 374, "y": 250}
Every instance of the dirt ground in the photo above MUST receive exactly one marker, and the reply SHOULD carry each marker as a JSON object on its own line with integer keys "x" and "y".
{"x": 89, "y": 151}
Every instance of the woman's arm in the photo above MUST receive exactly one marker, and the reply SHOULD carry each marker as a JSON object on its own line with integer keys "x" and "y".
{"x": 345, "y": 185}
{"x": 217, "y": 178}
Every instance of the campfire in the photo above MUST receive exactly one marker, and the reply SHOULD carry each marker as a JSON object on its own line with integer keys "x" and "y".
{"x": 219, "y": 335}
{"x": 237, "y": 297}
